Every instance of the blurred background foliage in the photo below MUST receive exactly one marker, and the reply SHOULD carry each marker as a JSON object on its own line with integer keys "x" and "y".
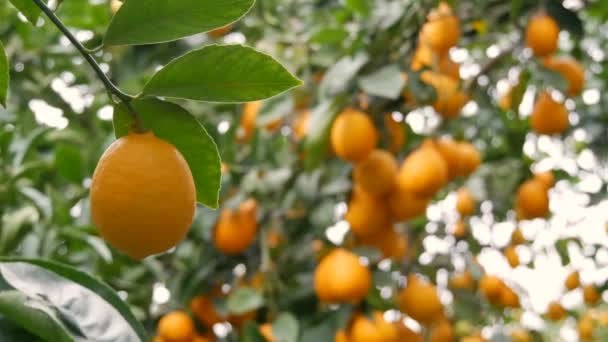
{"x": 349, "y": 53}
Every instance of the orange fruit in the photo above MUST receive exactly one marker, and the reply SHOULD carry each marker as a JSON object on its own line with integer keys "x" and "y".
{"x": 542, "y": 34}
{"x": 442, "y": 332}
{"x": 511, "y": 255}
{"x": 248, "y": 120}
{"x": 376, "y": 174}
{"x": 340, "y": 278}
{"x": 555, "y": 311}
{"x": 176, "y": 326}
{"x": 571, "y": 70}
{"x": 404, "y": 205}
{"x": 341, "y": 336}
{"x": 353, "y": 135}
{"x": 546, "y": 178}
{"x": 585, "y": 329}
{"x": 517, "y": 237}
{"x": 548, "y": 116}
{"x": 465, "y": 203}
{"x": 532, "y": 199}
{"x": 266, "y": 331}
{"x": 375, "y": 330}
{"x": 572, "y": 281}
{"x": 451, "y": 152}
{"x": 300, "y": 124}
{"x": 602, "y": 318}
{"x": 142, "y": 195}
{"x": 475, "y": 338}
{"x": 420, "y": 301}
{"x": 508, "y": 297}
{"x": 463, "y": 280}
{"x": 405, "y": 334}
{"x": 396, "y": 133}
{"x": 450, "y": 99}
{"x": 471, "y": 157}
{"x": 220, "y": 32}
{"x": 491, "y": 287}
{"x": 443, "y": 64}
{"x": 235, "y": 230}
{"x": 367, "y": 214}
{"x": 590, "y": 295}
{"x": 423, "y": 172}
{"x": 442, "y": 31}
{"x": 521, "y": 335}
{"x": 392, "y": 244}
{"x": 202, "y": 308}
{"x": 460, "y": 229}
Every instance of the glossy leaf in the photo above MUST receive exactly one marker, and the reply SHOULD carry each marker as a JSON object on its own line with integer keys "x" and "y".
{"x": 222, "y": 73}
{"x": 322, "y": 117}
{"x": 88, "y": 304}
{"x": 243, "y": 300}
{"x": 69, "y": 163}
{"x": 14, "y": 225}
{"x": 33, "y": 315}
{"x": 28, "y": 8}
{"x": 174, "y": 124}
{"x": 4, "y": 76}
{"x": 156, "y": 21}
{"x": 386, "y": 82}
{"x": 286, "y": 328}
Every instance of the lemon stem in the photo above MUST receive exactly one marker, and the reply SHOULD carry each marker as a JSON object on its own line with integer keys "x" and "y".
{"x": 87, "y": 54}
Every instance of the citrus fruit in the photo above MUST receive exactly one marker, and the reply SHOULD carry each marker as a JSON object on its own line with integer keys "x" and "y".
{"x": 521, "y": 335}
{"x": 546, "y": 178}
{"x": 590, "y": 295}
{"x": 460, "y": 229}
{"x": 462, "y": 280}
{"x": 353, "y": 135}
{"x": 235, "y": 230}
{"x": 571, "y": 70}
{"x": 517, "y": 237}
{"x": 266, "y": 331}
{"x": 404, "y": 205}
{"x": 442, "y": 332}
{"x": 555, "y": 311}
{"x": 548, "y": 116}
{"x": 376, "y": 174}
{"x": 442, "y": 31}
{"x": 585, "y": 329}
{"x": 375, "y": 329}
{"x": 572, "y": 281}
{"x": 202, "y": 308}
{"x": 508, "y": 297}
{"x": 450, "y": 99}
{"x": 465, "y": 203}
{"x": 396, "y": 133}
{"x": 420, "y": 301}
{"x": 142, "y": 195}
{"x": 176, "y": 326}
{"x": 341, "y": 336}
{"x": 406, "y": 334}
{"x": 491, "y": 287}
{"x": 423, "y": 172}
{"x": 511, "y": 255}
{"x": 340, "y": 278}
{"x": 392, "y": 244}
{"x": 366, "y": 214}
{"x": 300, "y": 124}
{"x": 532, "y": 199}
{"x": 542, "y": 34}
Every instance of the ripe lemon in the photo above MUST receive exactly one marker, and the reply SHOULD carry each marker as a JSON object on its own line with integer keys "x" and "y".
{"x": 532, "y": 199}
{"x": 511, "y": 255}
{"x": 450, "y": 99}
{"x": 470, "y": 156}
{"x": 548, "y": 116}
{"x": 508, "y": 297}
{"x": 266, "y": 331}
{"x": 542, "y": 34}
{"x": 465, "y": 203}
{"x": 392, "y": 244}
{"x": 424, "y": 57}
{"x": 202, "y": 308}
{"x": 517, "y": 237}
{"x": 300, "y": 124}
{"x": 375, "y": 330}
{"x": 404, "y": 205}
{"x": 176, "y": 326}
{"x": 236, "y": 230}
{"x": 406, "y": 334}
{"x": 571, "y": 70}
{"x": 546, "y": 178}
{"x": 142, "y": 195}
{"x": 367, "y": 214}
{"x": 585, "y": 329}
{"x": 442, "y": 31}
{"x": 572, "y": 281}
{"x": 376, "y": 174}
{"x": 396, "y": 133}
{"x": 590, "y": 295}
{"x": 520, "y": 335}
{"x": 442, "y": 332}
{"x": 451, "y": 152}
{"x": 420, "y": 301}
{"x": 341, "y": 336}
{"x": 248, "y": 120}
{"x": 423, "y": 172}
{"x": 353, "y": 135}
{"x": 491, "y": 287}
{"x": 555, "y": 311}
{"x": 341, "y": 278}
{"x": 463, "y": 281}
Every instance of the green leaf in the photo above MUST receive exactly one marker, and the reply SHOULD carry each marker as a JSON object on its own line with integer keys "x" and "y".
{"x": 28, "y": 8}
{"x": 329, "y": 36}
{"x": 385, "y": 82}
{"x": 362, "y": 7}
{"x": 14, "y": 226}
{"x": 286, "y": 328}
{"x": 340, "y": 74}
{"x": 244, "y": 299}
{"x": 322, "y": 117}
{"x": 69, "y": 163}
{"x": 33, "y": 315}
{"x": 12, "y": 332}
{"x": 40, "y": 200}
{"x": 156, "y": 21}
{"x": 251, "y": 333}
{"x": 275, "y": 109}
{"x": 4, "y": 76}
{"x": 84, "y": 301}
{"x": 222, "y": 73}
{"x": 174, "y": 124}
{"x": 567, "y": 19}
